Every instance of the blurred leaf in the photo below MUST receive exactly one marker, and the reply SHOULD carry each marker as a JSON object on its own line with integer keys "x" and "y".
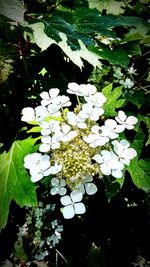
{"x": 137, "y": 98}
{"x": 19, "y": 252}
{"x": 36, "y": 129}
{"x": 14, "y": 179}
{"x": 111, "y": 6}
{"x": 12, "y": 9}
{"x": 138, "y": 142}
{"x": 113, "y": 100}
{"x": 140, "y": 173}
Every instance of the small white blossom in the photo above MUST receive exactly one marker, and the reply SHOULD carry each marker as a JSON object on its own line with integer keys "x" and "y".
{"x": 74, "y": 88}
{"x": 55, "y": 168}
{"x": 87, "y": 186}
{"x": 62, "y": 101}
{"x": 97, "y": 100}
{"x": 76, "y": 120}
{"x": 38, "y": 165}
{"x": 49, "y": 127}
{"x": 72, "y": 204}
{"x": 47, "y": 98}
{"x": 58, "y": 186}
{"x": 92, "y": 113}
{"x": 128, "y": 83}
{"x": 53, "y": 110}
{"x": 126, "y": 122}
{"x": 111, "y": 129}
{"x": 123, "y": 151}
{"x": 49, "y": 142}
{"x": 109, "y": 163}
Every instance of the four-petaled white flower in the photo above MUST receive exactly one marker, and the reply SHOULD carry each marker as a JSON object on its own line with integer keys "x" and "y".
{"x": 76, "y": 120}
{"x": 109, "y": 163}
{"x": 49, "y": 142}
{"x": 87, "y": 186}
{"x": 124, "y": 151}
{"x": 38, "y": 165}
{"x": 58, "y": 186}
{"x": 74, "y": 88}
{"x": 111, "y": 129}
{"x": 97, "y": 100}
{"x": 90, "y": 112}
{"x": 62, "y": 101}
{"x": 126, "y": 122}
{"x": 47, "y": 98}
{"x": 95, "y": 139}
{"x": 49, "y": 127}
{"x": 72, "y": 204}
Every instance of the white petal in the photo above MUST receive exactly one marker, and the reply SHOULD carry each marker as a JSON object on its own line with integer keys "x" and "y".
{"x": 66, "y": 200}
{"x": 79, "y": 208}
{"x": 122, "y": 116}
{"x": 129, "y": 153}
{"x": 76, "y": 196}
{"x": 55, "y": 181}
{"x": 98, "y": 158}
{"x": 62, "y": 182}
{"x": 110, "y": 123}
{"x": 88, "y": 178}
{"x": 105, "y": 169}
{"x": 90, "y": 188}
{"x": 62, "y": 191}
{"x": 44, "y": 148}
{"x": 68, "y": 212}
{"x": 65, "y": 128}
{"x": 54, "y": 190}
{"x": 28, "y": 114}
{"x": 117, "y": 173}
{"x": 107, "y": 155}
{"x": 44, "y": 95}
{"x": 53, "y": 92}
{"x": 131, "y": 120}
{"x": 47, "y": 172}
{"x": 95, "y": 129}
{"x": 36, "y": 178}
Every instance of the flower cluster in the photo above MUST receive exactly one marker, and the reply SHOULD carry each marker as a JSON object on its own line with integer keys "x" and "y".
{"x": 75, "y": 146}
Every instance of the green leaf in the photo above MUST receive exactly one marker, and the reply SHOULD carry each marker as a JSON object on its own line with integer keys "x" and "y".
{"x": 138, "y": 142}
{"x": 12, "y": 9}
{"x": 117, "y": 56}
{"x": 113, "y": 100}
{"x": 140, "y": 173}
{"x": 146, "y": 120}
{"x": 36, "y": 129}
{"x": 14, "y": 179}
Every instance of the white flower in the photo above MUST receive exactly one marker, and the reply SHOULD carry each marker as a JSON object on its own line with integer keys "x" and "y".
{"x": 28, "y": 114}
{"x": 76, "y": 120}
{"x": 87, "y": 186}
{"x": 111, "y": 129}
{"x": 87, "y": 89}
{"x": 97, "y": 100}
{"x": 74, "y": 88}
{"x": 65, "y": 133}
{"x": 49, "y": 127}
{"x": 49, "y": 142}
{"x": 123, "y": 151}
{"x": 72, "y": 204}
{"x": 91, "y": 112}
{"x": 95, "y": 140}
{"x": 58, "y": 186}
{"x": 126, "y": 122}
{"x": 109, "y": 163}
{"x": 47, "y": 98}
{"x": 62, "y": 101}
{"x": 38, "y": 165}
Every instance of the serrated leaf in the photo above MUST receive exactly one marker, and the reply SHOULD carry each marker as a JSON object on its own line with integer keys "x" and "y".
{"x": 14, "y": 179}
{"x": 113, "y": 100}
{"x": 138, "y": 142}
{"x": 12, "y": 9}
{"x": 140, "y": 173}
